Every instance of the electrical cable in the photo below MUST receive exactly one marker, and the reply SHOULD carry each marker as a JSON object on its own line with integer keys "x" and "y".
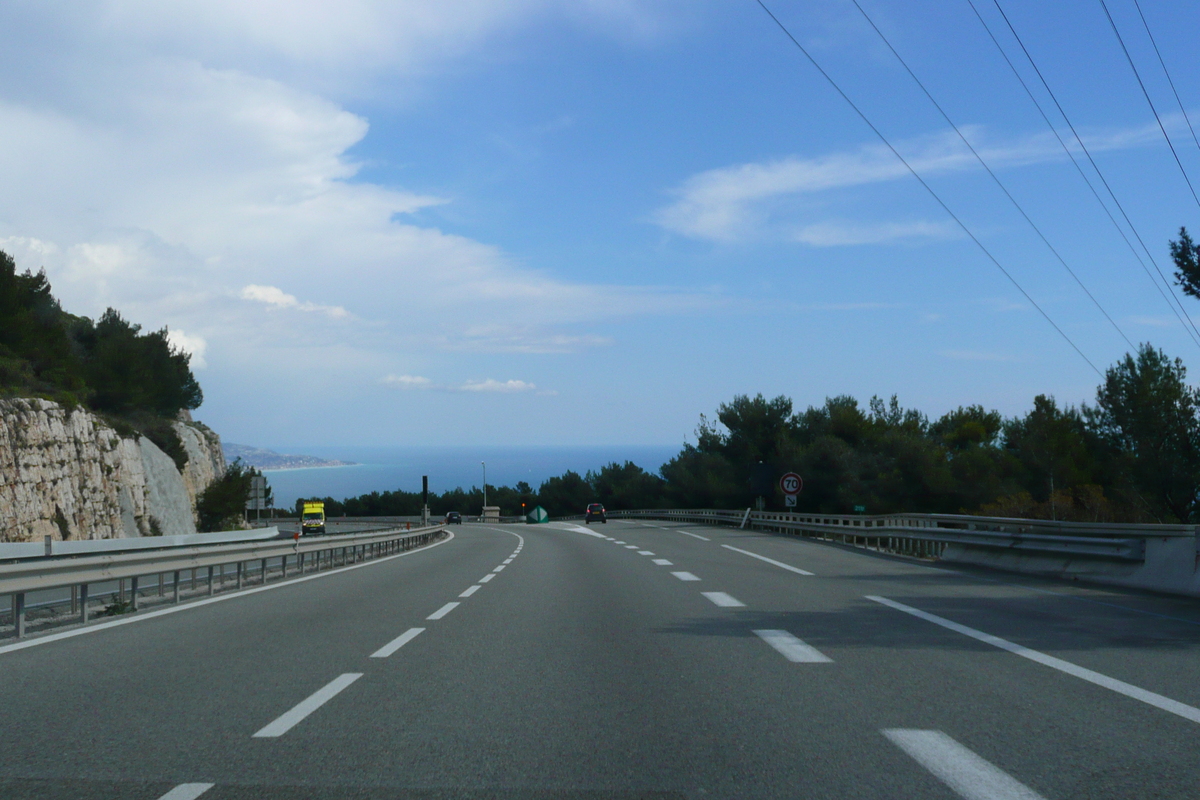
{"x": 1146, "y": 25}
{"x": 996, "y": 179}
{"x": 1132, "y": 66}
{"x": 926, "y": 186}
{"x": 1181, "y": 314}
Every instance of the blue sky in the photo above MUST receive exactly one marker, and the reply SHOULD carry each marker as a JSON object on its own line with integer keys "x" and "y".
{"x": 540, "y": 222}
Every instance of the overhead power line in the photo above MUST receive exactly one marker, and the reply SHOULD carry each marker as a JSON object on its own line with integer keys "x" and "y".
{"x": 937, "y": 198}
{"x": 1169, "y": 295}
{"x": 1167, "y": 72}
{"x": 993, "y": 175}
{"x": 1146, "y": 94}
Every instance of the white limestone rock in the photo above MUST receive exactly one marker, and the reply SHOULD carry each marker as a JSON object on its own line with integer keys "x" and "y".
{"x": 64, "y": 473}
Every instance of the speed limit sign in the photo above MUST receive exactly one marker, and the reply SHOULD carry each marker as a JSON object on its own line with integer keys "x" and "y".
{"x": 791, "y": 484}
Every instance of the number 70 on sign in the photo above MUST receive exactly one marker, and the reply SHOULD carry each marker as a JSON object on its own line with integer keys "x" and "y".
{"x": 791, "y": 484}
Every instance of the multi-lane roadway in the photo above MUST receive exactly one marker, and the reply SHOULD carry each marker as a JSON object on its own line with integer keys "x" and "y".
{"x": 623, "y": 660}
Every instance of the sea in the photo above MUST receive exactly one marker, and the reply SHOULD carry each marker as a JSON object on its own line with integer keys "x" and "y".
{"x": 390, "y": 468}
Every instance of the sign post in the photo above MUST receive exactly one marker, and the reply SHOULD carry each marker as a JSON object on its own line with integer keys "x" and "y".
{"x": 258, "y": 496}
{"x": 790, "y": 484}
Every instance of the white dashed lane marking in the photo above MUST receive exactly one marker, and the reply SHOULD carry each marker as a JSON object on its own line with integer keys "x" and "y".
{"x": 793, "y": 649}
{"x": 970, "y": 776}
{"x": 470, "y": 591}
{"x": 499, "y": 568}
{"x": 397, "y": 643}
{"x": 685, "y": 576}
{"x": 771, "y": 561}
{"x": 486, "y": 578}
{"x": 693, "y": 535}
{"x": 307, "y": 706}
{"x": 632, "y": 546}
{"x": 187, "y": 791}
{"x": 723, "y": 600}
{"x": 443, "y": 611}
{"x": 645, "y": 553}
{"x": 662, "y": 562}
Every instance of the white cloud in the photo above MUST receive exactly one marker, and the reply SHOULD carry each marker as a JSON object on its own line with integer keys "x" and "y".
{"x": 1154, "y": 322}
{"x": 407, "y": 382}
{"x": 866, "y": 306}
{"x": 733, "y": 203}
{"x": 193, "y": 345}
{"x": 832, "y": 234}
{"x": 491, "y": 385}
{"x": 971, "y": 355}
{"x": 274, "y": 296}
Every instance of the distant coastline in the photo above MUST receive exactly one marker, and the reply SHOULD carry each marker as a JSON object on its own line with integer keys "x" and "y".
{"x": 302, "y": 467}
{"x": 270, "y": 461}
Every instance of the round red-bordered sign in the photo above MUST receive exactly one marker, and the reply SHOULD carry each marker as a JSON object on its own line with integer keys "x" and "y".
{"x": 791, "y": 483}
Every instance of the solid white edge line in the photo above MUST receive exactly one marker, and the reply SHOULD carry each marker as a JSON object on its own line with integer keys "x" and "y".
{"x": 471, "y": 590}
{"x": 100, "y": 626}
{"x": 187, "y": 791}
{"x": 1121, "y": 687}
{"x": 662, "y": 562}
{"x": 685, "y": 576}
{"x": 723, "y": 600}
{"x": 792, "y": 648}
{"x": 444, "y": 610}
{"x": 487, "y": 578}
{"x": 779, "y": 564}
{"x": 694, "y": 535}
{"x": 397, "y": 643}
{"x": 308, "y": 705}
{"x": 971, "y": 777}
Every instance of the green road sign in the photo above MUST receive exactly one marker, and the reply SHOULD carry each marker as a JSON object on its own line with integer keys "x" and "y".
{"x": 860, "y": 509}
{"x": 537, "y": 515}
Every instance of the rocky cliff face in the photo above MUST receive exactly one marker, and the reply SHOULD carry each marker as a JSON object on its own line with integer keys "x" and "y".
{"x": 66, "y": 474}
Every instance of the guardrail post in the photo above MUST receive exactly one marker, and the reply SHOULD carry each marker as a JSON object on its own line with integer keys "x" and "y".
{"x": 133, "y": 594}
{"x": 74, "y": 600}
{"x": 240, "y": 568}
{"x": 264, "y": 571}
{"x": 160, "y": 584}
{"x": 210, "y": 581}
{"x": 18, "y": 613}
{"x": 176, "y": 587}
{"x": 83, "y": 603}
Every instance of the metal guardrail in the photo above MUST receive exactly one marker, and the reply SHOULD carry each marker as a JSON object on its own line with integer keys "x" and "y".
{"x": 927, "y": 535}
{"x": 305, "y": 554}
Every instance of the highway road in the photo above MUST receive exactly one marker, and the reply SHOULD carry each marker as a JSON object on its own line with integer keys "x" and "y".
{"x": 626, "y": 660}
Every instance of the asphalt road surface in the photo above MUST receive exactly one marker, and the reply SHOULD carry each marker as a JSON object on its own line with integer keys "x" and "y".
{"x": 624, "y": 660}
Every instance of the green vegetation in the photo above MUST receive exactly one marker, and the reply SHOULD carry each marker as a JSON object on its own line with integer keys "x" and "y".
{"x": 1133, "y": 456}
{"x": 222, "y": 506}
{"x": 137, "y": 380}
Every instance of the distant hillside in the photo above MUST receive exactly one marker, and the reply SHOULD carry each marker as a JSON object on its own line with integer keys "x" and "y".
{"x": 268, "y": 459}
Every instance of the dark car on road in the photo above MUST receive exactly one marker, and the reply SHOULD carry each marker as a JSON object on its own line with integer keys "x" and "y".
{"x": 595, "y": 511}
{"x": 453, "y": 518}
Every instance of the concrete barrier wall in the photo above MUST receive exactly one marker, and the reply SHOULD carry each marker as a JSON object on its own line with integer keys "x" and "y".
{"x": 1170, "y": 565}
